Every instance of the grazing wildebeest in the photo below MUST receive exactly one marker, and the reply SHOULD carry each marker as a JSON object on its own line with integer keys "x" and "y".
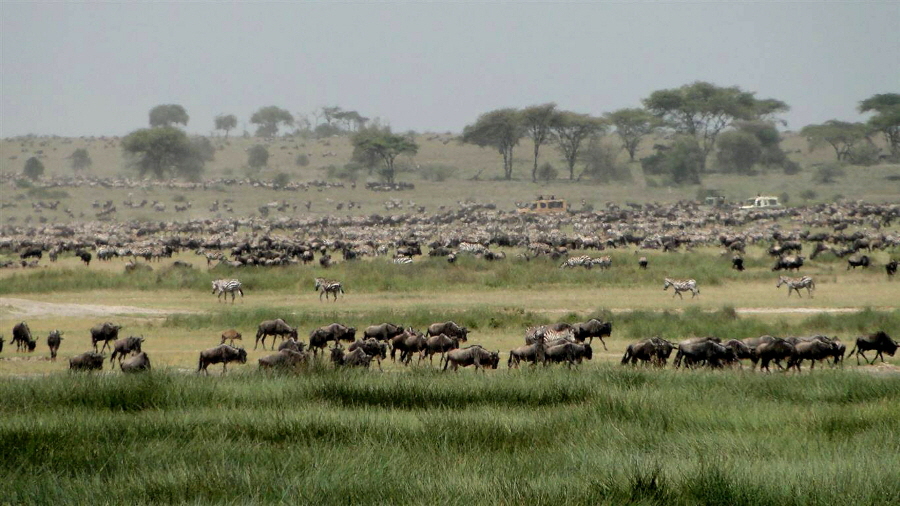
{"x": 127, "y": 346}
{"x": 22, "y": 336}
{"x": 449, "y": 329}
{"x": 773, "y": 351}
{"x": 355, "y": 358}
{"x": 53, "y": 341}
{"x": 221, "y": 354}
{"x": 273, "y": 328}
{"x": 137, "y": 363}
{"x": 284, "y": 359}
{"x": 704, "y": 351}
{"x": 591, "y": 329}
{"x": 87, "y": 361}
{"x": 472, "y": 355}
{"x": 737, "y": 263}
{"x": 105, "y": 332}
{"x": 292, "y": 344}
{"x": 439, "y": 344}
{"x": 372, "y": 347}
{"x": 891, "y": 267}
{"x": 653, "y": 351}
{"x": 383, "y": 332}
{"x": 792, "y": 262}
{"x": 231, "y": 335}
{"x": 862, "y": 261}
{"x": 879, "y": 341}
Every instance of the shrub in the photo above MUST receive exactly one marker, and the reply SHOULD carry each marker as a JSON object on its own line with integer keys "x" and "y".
{"x": 34, "y": 169}
{"x": 784, "y": 198}
{"x": 437, "y": 172}
{"x": 808, "y": 195}
{"x": 864, "y": 154}
{"x": 302, "y": 160}
{"x": 828, "y": 173}
{"x": 258, "y": 157}
{"x": 547, "y": 172}
{"x": 281, "y": 180}
{"x": 600, "y": 164}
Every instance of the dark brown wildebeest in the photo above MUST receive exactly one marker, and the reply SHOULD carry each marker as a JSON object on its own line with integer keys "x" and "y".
{"x": 413, "y": 342}
{"x": 22, "y": 337}
{"x": 53, "y": 341}
{"x": 642, "y": 262}
{"x": 792, "y": 262}
{"x": 439, "y": 344}
{"x": 449, "y": 329}
{"x": 87, "y": 361}
{"x": 383, "y": 332}
{"x": 534, "y": 353}
{"x": 812, "y": 350}
{"x": 891, "y": 268}
{"x": 355, "y": 358}
{"x": 654, "y": 351}
{"x": 137, "y": 363}
{"x": 231, "y": 336}
{"x": 372, "y": 347}
{"x": 879, "y": 341}
{"x": 773, "y": 351}
{"x": 563, "y": 352}
{"x": 273, "y": 328}
{"x": 292, "y": 344}
{"x": 741, "y": 350}
{"x": 472, "y": 355}
{"x": 737, "y": 263}
{"x": 105, "y": 332}
{"x": 319, "y": 338}
{"x": 591, "y": 329}
{"x": 1, "y": 343}
{"x": 707, "y": 351}
{"x": 284, "y": 359}
{"x": 127, "y": 346}
{"x": 84, "y": 256}
{"x": 32, "y": 252}
{"x": 221, "y": 354}
{"x": 863, "y": 261}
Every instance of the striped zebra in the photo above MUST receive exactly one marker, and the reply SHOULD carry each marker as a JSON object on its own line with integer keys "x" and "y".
{"x": 582, "y": 261}
{"x": 222, "y": 287}
{"x": 472, "y": 248}
{"x": 326, "y": 286}
{"x": 682, "y": 285}
{"x": 402, "y": 260}
{"x": 603, "y": 262}
{"x": 533, "y": 334}
{"x": 796, "y": 284}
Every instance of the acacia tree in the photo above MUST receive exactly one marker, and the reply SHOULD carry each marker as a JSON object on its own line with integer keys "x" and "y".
{"x": 258, "y": 157}
{"x": 886, "y": 120}
{"x": 163, "y": 152}
{"x": 269, "y": 119}
{"x": 842, "y": 136}
{"x": 168, "y": 115}
{"x": 570, "y": 129}
{"x": 632, "y": 125}
{"x": 539, "y": 121}
{"x": 81, "y": 159}
{"x": 226, "y": 122}
{"x": 34, "y": 168}
{"x": 500, "y": 129}
{"x": 381, "y": 144}
{"x": 703, "y": 110}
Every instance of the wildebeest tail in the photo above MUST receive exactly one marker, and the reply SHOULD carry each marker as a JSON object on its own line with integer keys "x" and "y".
{"x": 627, "y": 356}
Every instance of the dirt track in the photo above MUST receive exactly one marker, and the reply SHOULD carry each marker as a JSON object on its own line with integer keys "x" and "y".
{"x": 21, "y": 308}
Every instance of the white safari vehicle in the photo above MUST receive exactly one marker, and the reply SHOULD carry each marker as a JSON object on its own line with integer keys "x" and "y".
{"x": 761, "y": 202}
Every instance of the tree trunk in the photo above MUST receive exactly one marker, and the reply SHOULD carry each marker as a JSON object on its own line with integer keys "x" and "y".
{"x": 537, "y": 147}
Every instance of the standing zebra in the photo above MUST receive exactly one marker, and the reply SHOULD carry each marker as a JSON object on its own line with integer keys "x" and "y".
{"x": 326, "y": 286}
{"x": 222, "y": 287}
{"x": 402, "y": 260}
{"x": 796, "y": 284}
{"x": 682, "y": 285}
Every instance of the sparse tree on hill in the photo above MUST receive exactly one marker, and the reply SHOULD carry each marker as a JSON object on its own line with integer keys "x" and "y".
{"x": 269, "y": 119}
{"x": 258, "y": 156}
{"x": 34, "y": 168}
{"x": 500, "y": 129}
{"x": 226, "y": 122}
{"x": 632, "y": 125}
{"x": 168, "y": 115}
{"x": 886, "y": 120}
{"x": 81, "y": 159}
{"x": 539, "y": 121}
{"x": 380, "y": 144}
{"x": 842, "y": 136}
{"x": 163, "y": 152}
{"x": 570, "y": 130}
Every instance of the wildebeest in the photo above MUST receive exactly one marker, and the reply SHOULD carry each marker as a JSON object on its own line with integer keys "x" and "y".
{"x": 792, "y": 262}
{"x": 127, "y": 346}
{"x": 32, "y": 252}
{"x": 22, "y": 337}
{"x": 891, "y": 267}
{"x": 292, "y": 344}
{"x": 231, "y": 335}
{"x": 737, "y": 263}
{"x": 880, "y": 342}
{"x": 284, "y": 359}
{"x": 472, "y": 355}
{"x": 812, "y": 350}
{"x": 84, "y": 256}
{"x": 534, "y": 353}
{"x": 54, "y": 339}
{"x": 775, "y": 350}
{"x": 355, "y": 358}
{"x": 1, "y": 343}
{"x": 409, "y": 343}
{"x": 105, "y": 332}
{"x": 862, "y": 261}
{"x": 382, "y": 332}
{"x": 704, "y": 351}
{"x": 450, "y": 329}
{"x": 591, "y": 329}
{"x": 740, "y": 350}
{"x": 137, "y": 363}
{"x": 654, "y": 350}
{"x": 319, "y": 338}
{"x": 273, "y": 328}
{"x": 372, "y": 347}
{"x": 560, "y": 351}
{"x": 642, "y": 262}
{"x": 221, "y": 354}
{"x": 87, "y": 361}
{"x": 439, "y": 344}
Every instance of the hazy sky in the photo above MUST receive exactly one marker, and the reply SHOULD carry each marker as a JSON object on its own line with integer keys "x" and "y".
{"x": 97, "y": 68}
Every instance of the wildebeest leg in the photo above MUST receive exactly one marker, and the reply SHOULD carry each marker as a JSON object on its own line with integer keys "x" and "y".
{"x": 224, "y": 367}
{"x": 879, "y": 354}
{"x": 860, "y": 352}
{"x": 602, "y": 342}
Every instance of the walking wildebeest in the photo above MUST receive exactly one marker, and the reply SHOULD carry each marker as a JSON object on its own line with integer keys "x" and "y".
{"x": 355, "y": 358}
{"x": 792, "y": 262}
{"x": 891, "y": 268}
{"x": 284, "y": 359}
{"x": 273, "y": 328}
{"x": 450, "y": 329}
{"x": 654, "y": 351}
{"x": 319, "y": 338}
{"x": 221, "y": 354}
{"x": 879, "y": 341}
{"x": 562, "y": 352}
{"x": 22, "y": 337}
{"x": 411, "y": 342}
{"x": 383, "y": 332}
{"x": 773, "y": 351}
{"x": 591, "y": 329}
{"x": 440, "y": 344}
{"x": 231, "y": 335}
{"x": 372, "y": 347}
{"x": 534, "y": 353}
{"x": 84, "y": 256}
{"x": 708, "y": 351}
{"x": 472, "y": 355}
{"x": 127, "y": 346}
{"x": 53, "y": 341}
{"x": 812, "y": 350}
{"x": 737, "y": 263}
{"x": 87, "y": 361}
{"x": 862, "y": 261}
{"x": 137, "y": 363}
{"x": 105, "y": 332}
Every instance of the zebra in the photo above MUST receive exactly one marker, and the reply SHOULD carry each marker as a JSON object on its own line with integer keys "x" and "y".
{"x": 326, "y": 286}
{"x": 581, "y": 261}
{"x": 682, "y": 285}
{"x": 603, "y": 262}
{"x": 402, "y": 260}
{"x": 106, "y": 253}
{"x": 796, "y": 284}
{"x": 222, "y": 287}
{"x": 472, "y": 248}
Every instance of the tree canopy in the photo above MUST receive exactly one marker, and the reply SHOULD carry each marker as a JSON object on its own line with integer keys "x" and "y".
{"x": 226, "y": 122}
{"x": 168, "y": 115}
{"x": 258, "y": 156}
{"x": 538, "y": 121}
{"x": 886, "y": 120}
{"x": 570, "y": 130}
{"x": 34, "y": 168}
{"x": 381, "y": 144}
{"x": 500, "y": 129}
{"x": 80, "y": 159}
{"x": 268, "y": 119}
{"x": 632, "y": 125}
{"x": 164, "y": 152}
{"x": 842, "y": 136}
